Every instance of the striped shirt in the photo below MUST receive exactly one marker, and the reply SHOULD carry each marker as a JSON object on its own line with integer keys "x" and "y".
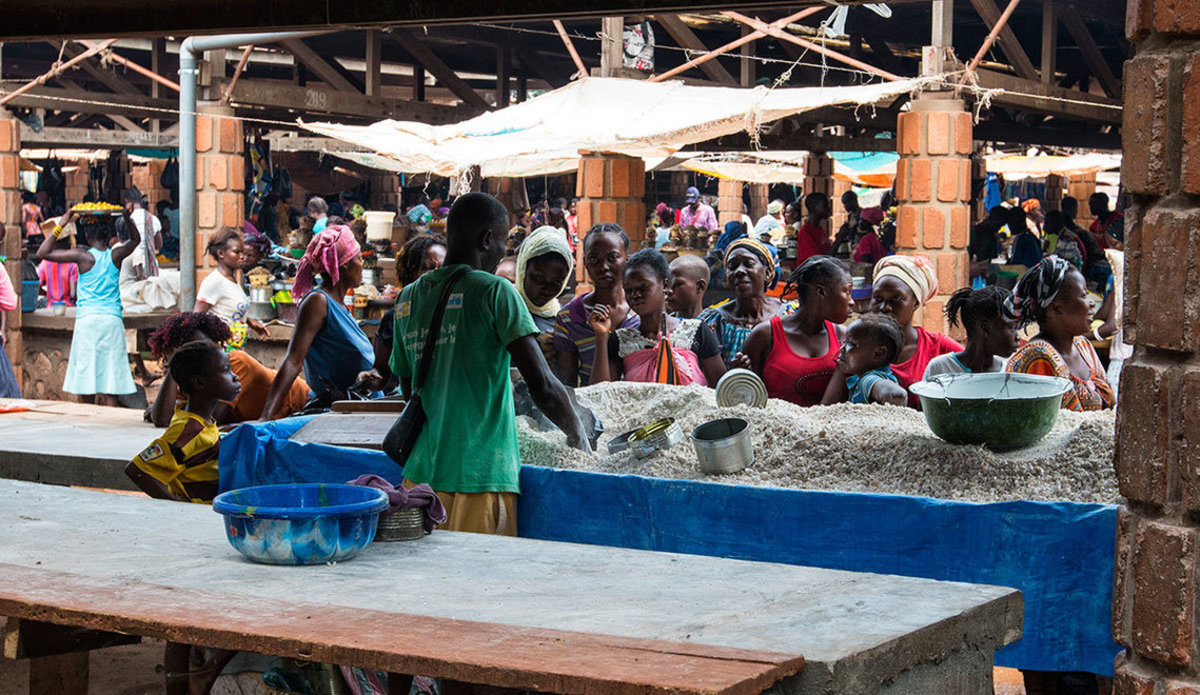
{"x": 56, "y": 279}
{"x": 572, "y": 334}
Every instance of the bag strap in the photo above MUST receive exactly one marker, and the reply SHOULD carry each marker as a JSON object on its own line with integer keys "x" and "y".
{"x": 435, "y": 328}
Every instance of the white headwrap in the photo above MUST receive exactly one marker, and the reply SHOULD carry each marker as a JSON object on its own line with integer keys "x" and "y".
{"x": 544, "y": 240}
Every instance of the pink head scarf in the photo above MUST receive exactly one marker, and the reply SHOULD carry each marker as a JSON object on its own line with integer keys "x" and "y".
{"x": 328, "y": 251}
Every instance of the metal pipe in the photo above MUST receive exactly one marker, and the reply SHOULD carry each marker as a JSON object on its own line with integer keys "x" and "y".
{"x": 991, "y": 37}
{"x": 189, "y": 52}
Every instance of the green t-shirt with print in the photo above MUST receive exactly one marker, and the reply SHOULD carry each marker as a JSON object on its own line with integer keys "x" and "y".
{"x": 469, "y": 443}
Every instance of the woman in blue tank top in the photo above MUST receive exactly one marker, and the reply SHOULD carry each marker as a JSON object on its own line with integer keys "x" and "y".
{"x": 98, "y": 368}
{"x": 326, "y": 342}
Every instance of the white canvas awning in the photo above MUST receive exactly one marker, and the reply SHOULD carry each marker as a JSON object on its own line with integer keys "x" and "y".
{"x": 1014, "y": 166}
{"x": 544, "y": 135}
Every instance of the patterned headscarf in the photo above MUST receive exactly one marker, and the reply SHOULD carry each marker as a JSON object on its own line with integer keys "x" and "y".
{"x": 765, "y": 253}
{"x": 1038, "y": 287}
{"x": 915, "y": 271}
{"x": 253, "y": 238}
{"x": 544, "y": 240}
{"x": 328, "y": 251}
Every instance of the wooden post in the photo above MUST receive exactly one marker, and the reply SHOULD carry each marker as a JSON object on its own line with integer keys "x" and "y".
{"x": 501, "y": 77}
{"x": 612, "y": 29}
{"x": 748, "y": 67}
{"x": 373, "y": 81}
{"x": 1049, "y": 41}
{"x": 158, "y": 51}
{"x": 418, "y": 82}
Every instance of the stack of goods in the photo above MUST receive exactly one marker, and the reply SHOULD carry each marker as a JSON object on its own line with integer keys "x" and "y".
{"x": 853, "y": 448}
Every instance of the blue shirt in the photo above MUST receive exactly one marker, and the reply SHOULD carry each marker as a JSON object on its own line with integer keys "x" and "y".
{"x": 98, "y": 290}
{"x": 860, "y": 386}
{"x": 339, "y": 351}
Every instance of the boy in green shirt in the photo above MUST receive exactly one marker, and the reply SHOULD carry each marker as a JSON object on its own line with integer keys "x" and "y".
{"x": 467, "y": 450}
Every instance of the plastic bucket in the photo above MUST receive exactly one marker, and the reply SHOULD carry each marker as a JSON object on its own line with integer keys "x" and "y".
{"x": 29, "y": 295}
{"x": 379, "y": 225}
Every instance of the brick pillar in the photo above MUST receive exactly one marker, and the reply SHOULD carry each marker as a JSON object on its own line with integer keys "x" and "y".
{"x": 818, "y": 178}
{"x": 1081, "y": 187}
{"x": 220, "y": 178}
{"x": 1054, "y": 192}
{"x": 1154, "y": 594}
{"x": 729, "y": 201}
{"x": 610, "y": 189}
{"x": 77, "y": 182}
{"x": 10, "y": 216}
{"x": 758, "y": 200}
{"x": 679, "y": 186}
{"x": 148, "y": 178}
{"x": 835, "y": 199}
{"x": 933, "y": 187}
{"x": 385, "y": 191}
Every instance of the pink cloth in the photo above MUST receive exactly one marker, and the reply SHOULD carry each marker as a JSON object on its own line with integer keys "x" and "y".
{"x": 328, "y": 251}
{"x": 400, "y": 497}
{"x": 641, "y": 366}
{"x": 8, "y": 296}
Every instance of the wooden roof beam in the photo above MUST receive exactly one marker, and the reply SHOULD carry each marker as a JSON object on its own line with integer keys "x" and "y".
{"x": 687, "y": 38}
{"x": 1091, "y": 54}
{"x": 442, "y": 72}
{"x": 324, "y": 70}
{"x": 109, "y": 79}
{"x": 1007, "y": 39}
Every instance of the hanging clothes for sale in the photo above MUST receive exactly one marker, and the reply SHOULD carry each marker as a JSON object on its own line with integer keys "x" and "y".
{"x": 260, "y": 175}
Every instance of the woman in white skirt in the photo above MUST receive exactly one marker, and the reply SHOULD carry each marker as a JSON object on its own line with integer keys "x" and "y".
{"x": 98, "y": 369}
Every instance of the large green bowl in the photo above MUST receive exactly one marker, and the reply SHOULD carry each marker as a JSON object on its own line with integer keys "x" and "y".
{"x": 1002, "y": 411}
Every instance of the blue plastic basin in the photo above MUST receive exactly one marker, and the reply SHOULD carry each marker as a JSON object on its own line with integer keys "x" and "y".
{"x": 300, "y": 524}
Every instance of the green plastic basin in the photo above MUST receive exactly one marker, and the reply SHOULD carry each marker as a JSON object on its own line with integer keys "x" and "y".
{"x": 1001, "y": 411}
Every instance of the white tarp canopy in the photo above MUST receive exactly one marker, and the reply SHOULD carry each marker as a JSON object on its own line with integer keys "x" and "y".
{"x": 1015, "y": 166}
{"x": 601, "y": 114}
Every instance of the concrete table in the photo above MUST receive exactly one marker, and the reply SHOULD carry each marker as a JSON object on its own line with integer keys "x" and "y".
{"x": 164, "y": 569}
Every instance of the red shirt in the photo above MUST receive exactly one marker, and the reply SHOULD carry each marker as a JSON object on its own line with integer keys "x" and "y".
{"x": 800, "y": 380}
{"x": 929, "y": 345}
{"x": 811, "y": 240}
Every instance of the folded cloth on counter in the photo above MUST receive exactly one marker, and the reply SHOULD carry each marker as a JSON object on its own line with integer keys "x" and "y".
{"x": 400, "y": 498}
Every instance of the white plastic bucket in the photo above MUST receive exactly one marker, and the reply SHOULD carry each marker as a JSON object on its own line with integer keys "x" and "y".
{"x": 379, "y": 224}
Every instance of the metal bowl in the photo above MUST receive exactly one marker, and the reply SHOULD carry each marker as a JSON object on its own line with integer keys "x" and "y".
{"x": 644, "y": 441}
{"x": 1001, "y": 411}
{"x": 723, "y": 446}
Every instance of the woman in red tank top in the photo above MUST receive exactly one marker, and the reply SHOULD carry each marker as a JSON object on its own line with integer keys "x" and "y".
{"x": 796, "y": 355}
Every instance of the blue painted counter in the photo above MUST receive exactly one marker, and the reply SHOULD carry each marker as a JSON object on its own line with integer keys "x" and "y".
{"x": 1059, "y": 554}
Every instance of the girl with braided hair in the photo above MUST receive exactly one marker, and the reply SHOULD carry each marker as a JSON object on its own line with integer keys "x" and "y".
{"x": 1053, "y": 294}
{"x": 990, "y": 320}
{"x": 796, "y": 355}
{"x": 190, "y": 327}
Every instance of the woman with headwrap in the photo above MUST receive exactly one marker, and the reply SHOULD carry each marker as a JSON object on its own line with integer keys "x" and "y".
{"x": 901, "y": 285}
{"x": 327, "y": 342}
{"x": 1053, "y": 294}
{"x": 750, "y": 270}
{"x": 544, "y": 264}
{"x": 257, "y": 247}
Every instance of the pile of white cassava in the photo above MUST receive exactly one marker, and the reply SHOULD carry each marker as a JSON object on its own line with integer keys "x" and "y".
{"x": 854, "y": 448}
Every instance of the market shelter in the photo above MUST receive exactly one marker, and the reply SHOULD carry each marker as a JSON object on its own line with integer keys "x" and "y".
{"x": 635, "y": 118}
{"x": 512, "y": 612}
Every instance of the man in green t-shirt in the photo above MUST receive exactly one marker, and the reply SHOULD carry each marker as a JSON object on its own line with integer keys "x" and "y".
{"x": 467, "y": 450}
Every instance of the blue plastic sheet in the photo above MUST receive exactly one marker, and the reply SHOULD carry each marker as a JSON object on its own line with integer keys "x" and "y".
{"x": 1060, "y": 555}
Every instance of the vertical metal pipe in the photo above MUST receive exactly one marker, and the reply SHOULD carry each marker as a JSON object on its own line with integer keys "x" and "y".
{"x": 187, "y": 178}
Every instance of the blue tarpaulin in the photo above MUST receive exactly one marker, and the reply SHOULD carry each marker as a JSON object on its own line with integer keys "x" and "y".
{"x": 1059, "y": 554}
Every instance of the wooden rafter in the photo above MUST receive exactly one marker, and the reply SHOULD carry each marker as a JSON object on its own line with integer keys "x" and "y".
{"x": 1007, "y": 38}
{"x": 687, "y": 38}
{"x": 779, "y": 33}
{"x": 108, "y": 78}
{"x": 320, "y": 67}
{"x": 442, "y": 72}
{"x": 736, "y": 43}
{"x": 1091, "y": 54}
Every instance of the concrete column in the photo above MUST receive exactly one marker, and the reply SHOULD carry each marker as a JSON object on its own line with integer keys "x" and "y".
{"x": 933, "y": 187}
{"x": 729, "y": 201}
{"x": 10, "y": 216}
{"x": 1158, "y": 424}
{"x": 220, "y": 178}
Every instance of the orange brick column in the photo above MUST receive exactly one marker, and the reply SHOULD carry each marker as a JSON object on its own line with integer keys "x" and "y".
{"x": 818, "y": 178}
{"x": 933, "y": 188}
{"x": 610, "y": 189}
{"x": 729, "y": 201}
{"x": 1158, "y": 419}
{"x": 1054, "y": 192}
{"x": 758, "y": 200}
{"x": 10, "y": 216}
{"x": 220, "y": 178}
{"x": 1081, "y": 187}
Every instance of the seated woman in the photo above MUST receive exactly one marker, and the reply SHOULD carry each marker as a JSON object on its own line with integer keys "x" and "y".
{"x": 190, "y": 327}
{"x": 749, "y": 272}
{"x": 990, "y": 321}
{"x": 1053, "y": 293}
{"x": 544, "y": 265}
{"x": 334, "y": 352}
{"x": 661, "y": 349}
{"x": 902, "y": 284}
{"x": 796, "y": 355}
